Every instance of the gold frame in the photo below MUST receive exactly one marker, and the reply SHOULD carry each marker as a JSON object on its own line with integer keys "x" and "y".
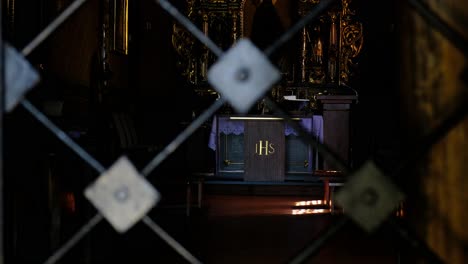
{"x": 119, "y": 17}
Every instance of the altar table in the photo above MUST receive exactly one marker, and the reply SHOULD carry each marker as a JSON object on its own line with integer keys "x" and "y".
{"x": 227, "y": 140}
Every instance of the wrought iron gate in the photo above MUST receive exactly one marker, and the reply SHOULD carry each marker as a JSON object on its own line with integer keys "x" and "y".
{"x": 242, "y": 75}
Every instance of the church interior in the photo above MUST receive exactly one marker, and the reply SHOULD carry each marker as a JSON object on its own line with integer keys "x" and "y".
{"x": 253, "y": 131}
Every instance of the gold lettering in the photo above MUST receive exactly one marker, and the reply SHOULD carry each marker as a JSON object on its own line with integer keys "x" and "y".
{"x": 264, "y": 147}
{"x": 261, "y": 149}
{"x": 272, "y": 149}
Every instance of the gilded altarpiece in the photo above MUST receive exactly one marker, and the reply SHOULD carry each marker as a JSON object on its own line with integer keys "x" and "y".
{"x": 321, "y": 57}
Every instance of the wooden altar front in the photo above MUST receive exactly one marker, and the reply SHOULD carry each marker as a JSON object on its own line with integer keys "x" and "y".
{"x": 264, "y": 148}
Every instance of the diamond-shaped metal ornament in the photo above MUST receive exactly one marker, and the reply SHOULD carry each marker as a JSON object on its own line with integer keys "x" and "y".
{"x": 243, "y": 75}
{"x": 20, "y": 77}
{"x": 369, "y": 197}
{"x": 122, "y": 195}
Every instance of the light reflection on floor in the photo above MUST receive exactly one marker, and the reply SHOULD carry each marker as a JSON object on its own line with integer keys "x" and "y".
{"x": 310, "y": 203}
{"x": 226, "y": 205}
{"x": 309, "y": 211}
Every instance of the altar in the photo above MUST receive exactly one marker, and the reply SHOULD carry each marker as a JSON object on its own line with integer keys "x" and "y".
{"x": 316, "y": 68}
{"x": 241, "y": 152}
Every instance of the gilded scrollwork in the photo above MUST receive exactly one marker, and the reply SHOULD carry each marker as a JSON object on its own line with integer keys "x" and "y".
{"x": 326, "y": 50}
{"x": 217, "y": 19}
{"x": 351, "y": 41}
{"x": 183, "y": 43}
{"x": 310, "y": 1}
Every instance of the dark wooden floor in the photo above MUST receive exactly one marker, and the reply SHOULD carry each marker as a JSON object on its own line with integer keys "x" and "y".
{"x": 240, "y": 227}
{"x": 267, "y": 229}
{"x": 259, "y": 226}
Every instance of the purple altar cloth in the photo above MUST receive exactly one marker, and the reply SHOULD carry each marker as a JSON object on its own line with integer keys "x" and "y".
{"x": 313, "y": 125}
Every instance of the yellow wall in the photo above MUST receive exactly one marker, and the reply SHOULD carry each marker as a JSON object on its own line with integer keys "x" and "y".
{"x": 431, "y": 86}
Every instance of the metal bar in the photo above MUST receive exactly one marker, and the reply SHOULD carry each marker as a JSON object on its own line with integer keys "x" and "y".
{"x": 52, "y": 27}
{"x": 171, "y": 147}
{"x": 319, "y": 8}
{"x": 2, "y": 107}
{"x": 260, "y": 118}
{"x": 323, "y": 149}
{"x": 169, "y": 240}
{"x": 458, "y": 115}
{"x": 190, "y": 26}
{"x": 63, "y": 136}
{"x": 414, "y": 241}
{"x": 74, "y": 239}
{"x": 312, "y": 249}
{"x": 435, "y": 21}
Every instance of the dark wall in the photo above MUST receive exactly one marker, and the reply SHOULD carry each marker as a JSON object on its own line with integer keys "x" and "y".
{"x": 38, "y": 174}
{"x": 375, "y": 127}
{"x": 162, "y": 99}
{"x": 157, "y": 85}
